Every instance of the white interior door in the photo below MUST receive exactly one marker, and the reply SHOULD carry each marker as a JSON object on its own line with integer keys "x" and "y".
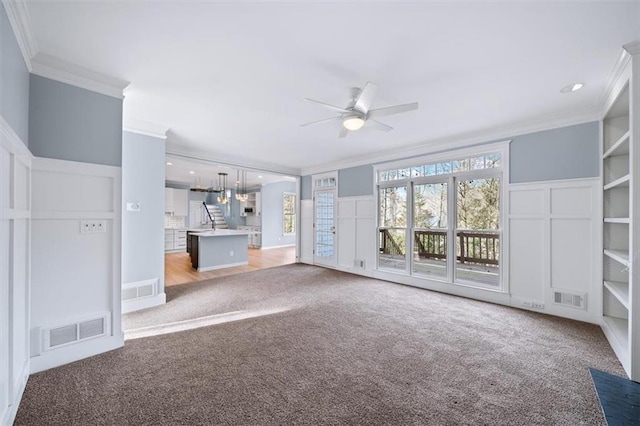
{"x": 324, "y": 227}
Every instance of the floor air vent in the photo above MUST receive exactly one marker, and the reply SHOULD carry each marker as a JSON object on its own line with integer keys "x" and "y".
{"x": 74, "y": 333}
{"x": 567, "y": 298}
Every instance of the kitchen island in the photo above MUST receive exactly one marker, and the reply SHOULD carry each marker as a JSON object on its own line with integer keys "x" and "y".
{"x": 217, "y": 249}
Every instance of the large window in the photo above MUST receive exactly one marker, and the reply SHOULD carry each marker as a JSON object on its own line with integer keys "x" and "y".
{"x": 441, "y": 219}
{"x": 289, "y": 214}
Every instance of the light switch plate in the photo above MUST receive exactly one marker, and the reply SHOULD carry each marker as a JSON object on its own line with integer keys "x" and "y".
{"x": 133, "y": 207}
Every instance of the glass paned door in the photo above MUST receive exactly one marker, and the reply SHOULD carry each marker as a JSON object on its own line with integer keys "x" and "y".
{"x": 430, "y": 230}
{"x": 325, "y": 227}
{"x": 478, "y": 231}
{"x": 392, "y": 229}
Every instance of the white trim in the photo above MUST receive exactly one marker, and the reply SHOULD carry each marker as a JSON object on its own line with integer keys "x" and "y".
{"x": 143, "y": 303}
{"x": 66, "y": 72}
{"x": 460, "y": 141}
{"x": 281, "y": 246}
{"x": 12, "y": 142}
{"x": 12, "y": 408}
{"x": 68, "y": 354}
{"x": 146, "y": 128}
{"x": 612, "y": 82}
{"x": 18, "y": 15}
{"x": 559, "y": 183}
{"x": 210, "y": 158}
{"x": 501, "y": 147}
{"x": 75, "y": 167}
{"x": 226, "y": 265}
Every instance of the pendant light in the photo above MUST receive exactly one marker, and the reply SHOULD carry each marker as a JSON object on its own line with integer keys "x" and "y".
{"x": 222, "y": 186}
{"x": 241, "y": 194}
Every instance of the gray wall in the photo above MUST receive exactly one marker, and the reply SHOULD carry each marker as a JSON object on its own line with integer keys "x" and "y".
{"x": 69, "y": 123}
{"x": 14, "y": 81}
{"x": 143, "y": 159}
{"x": 355, "y": 181}
{"x": 272, "y": 210}
{"x": 306, "y": 192}
{"x": 564, "y": 153}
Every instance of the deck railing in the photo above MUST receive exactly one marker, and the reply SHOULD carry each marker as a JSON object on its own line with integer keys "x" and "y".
{"x": 480, "y": 247}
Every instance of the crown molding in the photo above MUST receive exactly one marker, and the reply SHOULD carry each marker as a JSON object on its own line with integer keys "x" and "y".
{"x": 20, "y": 21}
{"x": 633, "y": 48}
{"x": 146, "y": 128}
{"x": 66, "y": 72}
{"x": 460, "y": 141}
{"x": 612, "y": 80}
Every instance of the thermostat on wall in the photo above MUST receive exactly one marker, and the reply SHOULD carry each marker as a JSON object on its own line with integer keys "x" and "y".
{"x": 133, "y": 207}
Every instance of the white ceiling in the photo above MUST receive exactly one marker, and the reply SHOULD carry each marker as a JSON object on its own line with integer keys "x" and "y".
{"x": 228, "y": 77}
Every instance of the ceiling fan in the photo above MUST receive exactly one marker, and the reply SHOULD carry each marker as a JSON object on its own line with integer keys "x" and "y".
{"x": 358, "y": 111}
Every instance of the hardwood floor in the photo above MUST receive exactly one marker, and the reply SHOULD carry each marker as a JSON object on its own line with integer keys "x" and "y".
{"x": 178, "y": 270}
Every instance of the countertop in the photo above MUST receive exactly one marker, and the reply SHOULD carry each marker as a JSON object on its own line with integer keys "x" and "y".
{"x": 222, "y": 232}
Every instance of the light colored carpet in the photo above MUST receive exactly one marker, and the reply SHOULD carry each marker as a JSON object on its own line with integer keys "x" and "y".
{"x": 331, "y": 348}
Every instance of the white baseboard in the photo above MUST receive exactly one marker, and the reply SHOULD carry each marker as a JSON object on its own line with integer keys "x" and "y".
{"x": 275, "y": 247}
{"x": 12, "y": 409}
{"x": 308, "y": 261}
{"x": 65, "y": 355}
{"x": 356, "y": 271}
{"x": 228, "y": 265}
{"x": 143, "y": 303}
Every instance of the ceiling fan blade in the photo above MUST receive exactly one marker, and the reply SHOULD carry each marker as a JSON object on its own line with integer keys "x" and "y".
{"x": 379, "y": 126}
{"x": 343, "y": 132}
{"x": 324, "y": 120}
{"x": 396, "y": 109}
{"x": 331, "y": 107}
{"x": 363, "y": 103}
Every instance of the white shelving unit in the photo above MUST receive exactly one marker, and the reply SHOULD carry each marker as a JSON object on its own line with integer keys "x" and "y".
{"x": 621, "y": 217}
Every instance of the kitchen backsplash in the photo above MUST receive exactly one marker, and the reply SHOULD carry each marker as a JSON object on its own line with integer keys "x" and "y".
{"x": 171, "y": 221}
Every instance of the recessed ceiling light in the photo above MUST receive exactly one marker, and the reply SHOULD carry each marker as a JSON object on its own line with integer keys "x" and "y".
{"x": 191, "y": 172}
{"x": 260, "y": 177}
{"x": 572, "y": 87}
{"x": 169, "y": 163}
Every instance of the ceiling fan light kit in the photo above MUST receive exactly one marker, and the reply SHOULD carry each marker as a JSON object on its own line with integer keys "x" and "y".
{"x": 353, "y": 122}
{"x": 358, "y": 111}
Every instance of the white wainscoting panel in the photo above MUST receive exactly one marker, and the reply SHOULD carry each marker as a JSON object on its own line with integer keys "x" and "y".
{"x": 306, "y": 231}
{"x": 555, "y": 243}
{"x": 15, "y": 227}
{"x": 527, "y": 258}
{"x": 75, "y": 275}
{"x": 356, "y": 234}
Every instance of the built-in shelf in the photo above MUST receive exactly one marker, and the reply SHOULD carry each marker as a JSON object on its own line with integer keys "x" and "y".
{"x": 620, "y": 328}
{"x": 616, "y": 220}
{"x": 620, "y": 182}
{"x": 620, "y": 147}
{"x": 619, "y": 290}
{"x": 618, "y": 255}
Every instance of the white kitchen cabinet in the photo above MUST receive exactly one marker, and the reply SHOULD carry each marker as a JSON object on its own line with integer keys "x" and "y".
{"x": 258, "y": 210}
{"x": 175, "y": 240}
{"x": 176, "y": 201}
{"x": 168, "y": 239}
{"x": 168, "y": 200}
{"x": 255, "y": 238}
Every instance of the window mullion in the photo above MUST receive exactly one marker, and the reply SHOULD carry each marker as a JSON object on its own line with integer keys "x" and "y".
{"x": 409, "y": 230}
{"x": 452, "y": 224}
